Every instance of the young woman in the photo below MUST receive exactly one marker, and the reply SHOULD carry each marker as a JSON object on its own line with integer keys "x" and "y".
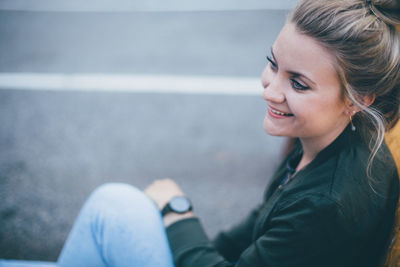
{"x": 332, "y": 82}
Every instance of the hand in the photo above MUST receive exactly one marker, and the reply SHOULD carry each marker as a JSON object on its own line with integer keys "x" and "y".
{"x": 162, "y": 191}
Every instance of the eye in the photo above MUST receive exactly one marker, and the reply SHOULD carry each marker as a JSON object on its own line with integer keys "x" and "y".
{"x": 274, "y": 66}
{"x": 298, "y": 86}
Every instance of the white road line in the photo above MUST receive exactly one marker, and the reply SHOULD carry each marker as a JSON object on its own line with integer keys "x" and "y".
{"x": 132, "y": 83}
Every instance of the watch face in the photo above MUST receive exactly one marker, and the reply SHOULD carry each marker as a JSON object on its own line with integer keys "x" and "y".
{"x": 180, "y": 204}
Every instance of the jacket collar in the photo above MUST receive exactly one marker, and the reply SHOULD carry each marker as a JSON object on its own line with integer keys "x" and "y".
{"x": 346, "y": 139}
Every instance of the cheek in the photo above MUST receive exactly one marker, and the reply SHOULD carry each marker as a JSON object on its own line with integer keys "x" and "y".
{"x": 317, "y": 112}
{"x": 298, "y": 104}
{"x": 305, "y": 108}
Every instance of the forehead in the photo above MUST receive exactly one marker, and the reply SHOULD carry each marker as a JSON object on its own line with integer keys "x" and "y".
{"x": 300, "y": 53}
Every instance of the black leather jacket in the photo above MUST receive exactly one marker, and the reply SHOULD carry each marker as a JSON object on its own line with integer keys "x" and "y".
{"x": 329, "y": 214}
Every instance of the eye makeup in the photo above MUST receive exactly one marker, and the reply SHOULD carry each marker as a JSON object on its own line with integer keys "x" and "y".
{"x": 298, "y": 86}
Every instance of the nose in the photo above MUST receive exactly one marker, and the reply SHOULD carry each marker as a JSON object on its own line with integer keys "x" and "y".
{"x": 272, "y": 87}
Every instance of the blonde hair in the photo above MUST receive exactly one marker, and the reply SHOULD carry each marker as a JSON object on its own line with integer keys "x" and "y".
{"x": 363, "y": 39}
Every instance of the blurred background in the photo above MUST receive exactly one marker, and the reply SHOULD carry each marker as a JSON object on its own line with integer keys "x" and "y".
{"x": 130, "y": 91}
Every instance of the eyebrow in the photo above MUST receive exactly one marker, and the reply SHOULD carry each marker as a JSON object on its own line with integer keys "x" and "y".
{"x": 293, "y": 73}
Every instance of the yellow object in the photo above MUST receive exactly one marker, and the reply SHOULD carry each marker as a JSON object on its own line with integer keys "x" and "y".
{"x": 393, "y": 141}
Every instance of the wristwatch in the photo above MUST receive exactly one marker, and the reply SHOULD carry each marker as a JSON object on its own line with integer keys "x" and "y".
{"x": 178, "y": 204}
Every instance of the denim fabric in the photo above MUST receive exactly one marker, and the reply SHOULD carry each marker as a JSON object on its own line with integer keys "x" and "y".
{"x": 117, "y": 226}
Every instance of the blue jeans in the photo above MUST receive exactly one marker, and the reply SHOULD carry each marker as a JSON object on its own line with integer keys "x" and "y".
{"x": 118, "y": 226}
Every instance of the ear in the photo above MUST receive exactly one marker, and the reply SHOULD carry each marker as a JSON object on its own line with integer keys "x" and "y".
{"x": 352, "y": 108}
{"x": 368, "y": 100}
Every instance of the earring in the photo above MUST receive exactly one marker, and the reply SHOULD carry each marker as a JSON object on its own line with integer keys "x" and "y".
{"x": 353, "y": 128}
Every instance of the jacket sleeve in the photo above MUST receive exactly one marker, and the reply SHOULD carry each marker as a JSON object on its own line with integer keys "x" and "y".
{"x": 233, "y": 242}
{"x": 301, "y": 232}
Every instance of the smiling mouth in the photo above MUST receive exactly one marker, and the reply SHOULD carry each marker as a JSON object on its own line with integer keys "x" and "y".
{"x": 281, "y": 113}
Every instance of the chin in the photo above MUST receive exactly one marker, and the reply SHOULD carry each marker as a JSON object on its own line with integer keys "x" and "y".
{"x": 273, "y": 132}
{"x": 272, "y": 129}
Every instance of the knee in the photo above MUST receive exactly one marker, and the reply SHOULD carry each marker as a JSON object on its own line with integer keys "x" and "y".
{"x": 119, "y": 198}
{"x": 114, "y": 191}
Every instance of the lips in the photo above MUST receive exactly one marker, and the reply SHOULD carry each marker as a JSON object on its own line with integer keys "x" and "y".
{"x": 280, "y": 113}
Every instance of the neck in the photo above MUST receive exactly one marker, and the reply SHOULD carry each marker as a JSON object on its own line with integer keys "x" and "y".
{"x": 312, "y": 146}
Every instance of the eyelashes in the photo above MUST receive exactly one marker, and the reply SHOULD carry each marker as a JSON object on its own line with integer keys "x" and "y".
{"x": 273, "y": 63}
{"x": 298, "y": 86}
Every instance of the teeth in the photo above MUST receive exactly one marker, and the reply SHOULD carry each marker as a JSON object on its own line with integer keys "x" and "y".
{"x": 280, "y": 113}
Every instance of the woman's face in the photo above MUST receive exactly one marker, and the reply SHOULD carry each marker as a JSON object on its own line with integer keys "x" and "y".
{"x": 302, "y": 90}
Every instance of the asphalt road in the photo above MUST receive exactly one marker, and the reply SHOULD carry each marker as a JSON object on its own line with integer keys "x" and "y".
{"x": 227, "y": 43}
{"x": 56, "y": 147}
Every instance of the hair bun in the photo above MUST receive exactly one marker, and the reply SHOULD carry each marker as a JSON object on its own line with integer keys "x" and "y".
{"x": 387, "y": 10}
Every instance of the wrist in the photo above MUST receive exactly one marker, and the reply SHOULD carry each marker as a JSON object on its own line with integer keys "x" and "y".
{"x": 178, "y": 204}
{"x": 171, "y": 218}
